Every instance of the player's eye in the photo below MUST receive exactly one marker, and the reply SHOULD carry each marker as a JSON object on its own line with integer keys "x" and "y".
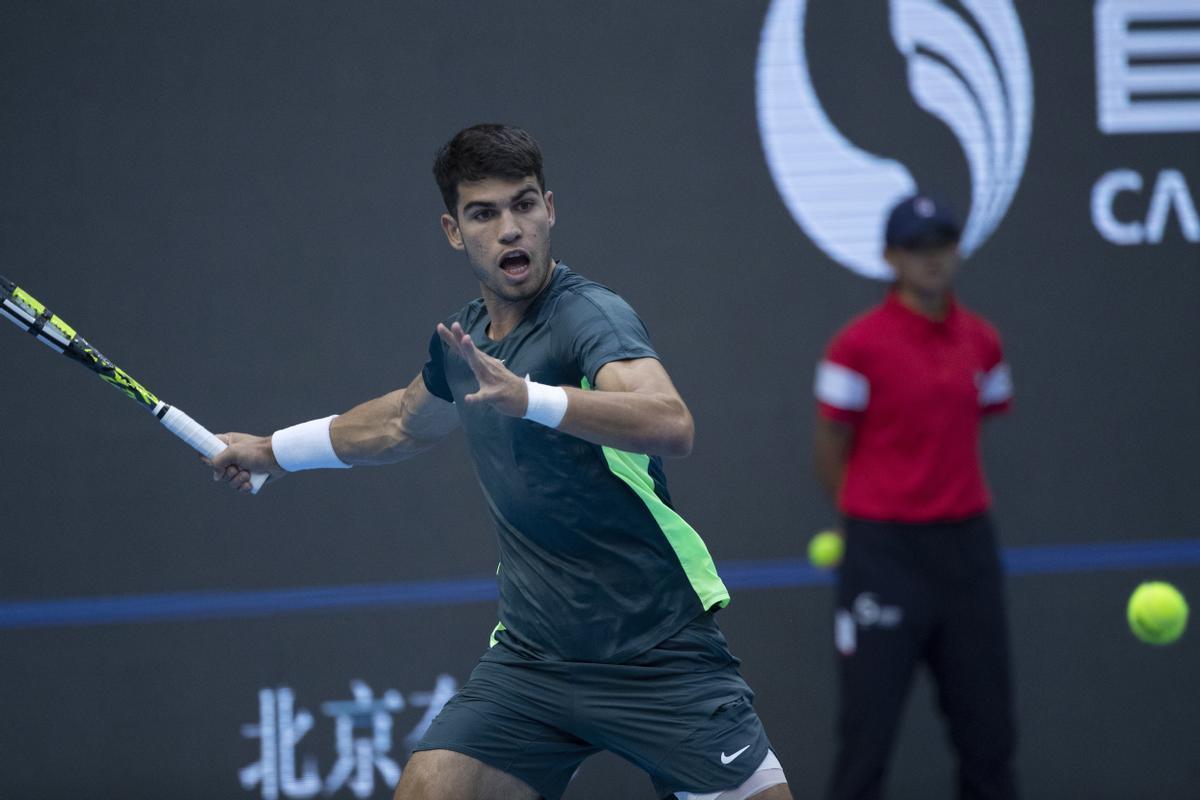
{"x": 483, "y": 215}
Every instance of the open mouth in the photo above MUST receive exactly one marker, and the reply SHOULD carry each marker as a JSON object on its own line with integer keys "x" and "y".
{"x": 515, "y": 263}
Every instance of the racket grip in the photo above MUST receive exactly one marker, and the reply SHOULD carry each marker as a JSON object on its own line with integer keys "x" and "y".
{"x": 202, "y": 440}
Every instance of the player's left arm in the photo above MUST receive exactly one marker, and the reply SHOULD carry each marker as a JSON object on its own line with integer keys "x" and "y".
{"x": 635, "y": 406}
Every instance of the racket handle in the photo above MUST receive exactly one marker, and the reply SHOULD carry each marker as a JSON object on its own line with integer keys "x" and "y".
{"x": 201, "y": 440}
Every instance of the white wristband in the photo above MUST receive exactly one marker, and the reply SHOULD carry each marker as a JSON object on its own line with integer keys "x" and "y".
{"x": 306, "y": 446}
{"x": 547, "y": 404}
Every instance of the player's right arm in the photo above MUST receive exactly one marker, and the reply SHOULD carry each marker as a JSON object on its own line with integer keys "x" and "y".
{"x": 393, "y": 427}
{"x": 831, "y": 450}
{"x": 390, "y": 428}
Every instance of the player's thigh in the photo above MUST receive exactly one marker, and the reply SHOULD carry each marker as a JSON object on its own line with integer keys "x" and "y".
{"x": 719, "y": 752}
{"x": 447, "y": 775}
{"x": 681, "y": 711}
{"x": 509, "y": 716}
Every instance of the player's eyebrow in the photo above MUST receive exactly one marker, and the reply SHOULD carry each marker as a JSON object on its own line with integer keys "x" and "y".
{"x": 522, "y": 193}
{"x": 488, "y": 204}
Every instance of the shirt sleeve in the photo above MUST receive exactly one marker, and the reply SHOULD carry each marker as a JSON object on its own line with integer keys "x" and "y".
{"x": 995, "y": 382}
{"x": 434, "y": 372}
{"x": 602, "y": 328}
{"x": 841, "y": 386}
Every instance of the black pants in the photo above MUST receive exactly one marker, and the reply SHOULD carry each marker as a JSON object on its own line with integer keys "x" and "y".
{"x": 909, "y": 594}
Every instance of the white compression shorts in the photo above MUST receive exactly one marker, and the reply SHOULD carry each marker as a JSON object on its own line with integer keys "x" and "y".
{"x": 768, "y": 774}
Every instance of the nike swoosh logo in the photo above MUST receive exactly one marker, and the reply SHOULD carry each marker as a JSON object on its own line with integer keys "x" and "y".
{"x": 729, "y": 759}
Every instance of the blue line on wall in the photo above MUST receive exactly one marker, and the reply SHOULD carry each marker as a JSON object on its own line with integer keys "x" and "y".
{"x": 763, "y": 574}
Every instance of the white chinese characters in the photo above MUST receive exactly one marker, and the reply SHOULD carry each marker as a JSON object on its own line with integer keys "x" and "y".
{"x": 363, "y": 740}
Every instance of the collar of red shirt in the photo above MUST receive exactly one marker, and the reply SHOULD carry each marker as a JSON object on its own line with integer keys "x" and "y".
{"x": 894, "y": 306}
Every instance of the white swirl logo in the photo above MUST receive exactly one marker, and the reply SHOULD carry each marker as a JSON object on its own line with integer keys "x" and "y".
{"x": 975, "y": 78}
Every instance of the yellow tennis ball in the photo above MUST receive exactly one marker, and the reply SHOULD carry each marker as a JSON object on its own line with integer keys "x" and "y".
{"x": 1157, "y": 612}
{"x": 825, "y": 549}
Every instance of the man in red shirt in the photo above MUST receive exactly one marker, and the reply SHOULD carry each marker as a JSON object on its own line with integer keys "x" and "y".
{"x": 901, "y": 393}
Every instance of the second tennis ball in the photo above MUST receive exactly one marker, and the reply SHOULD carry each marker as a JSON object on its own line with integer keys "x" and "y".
{"x": 825, "y": 549}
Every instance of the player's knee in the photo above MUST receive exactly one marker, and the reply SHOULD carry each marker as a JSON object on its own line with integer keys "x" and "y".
{"x": 769, "y": 775}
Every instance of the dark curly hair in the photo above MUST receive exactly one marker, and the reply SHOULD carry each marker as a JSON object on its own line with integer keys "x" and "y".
{"x": 486, "y": 151}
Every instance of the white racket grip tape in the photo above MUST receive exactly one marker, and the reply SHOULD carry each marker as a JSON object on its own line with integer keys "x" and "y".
{"x": 202, "y": 440}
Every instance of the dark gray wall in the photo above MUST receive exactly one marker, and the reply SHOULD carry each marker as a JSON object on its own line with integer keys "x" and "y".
{"x": 233, "y": 201}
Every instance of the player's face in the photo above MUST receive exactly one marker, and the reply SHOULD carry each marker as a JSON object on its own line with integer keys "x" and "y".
{"x": 504, "y": 228}
{"x": 926, "y": 271}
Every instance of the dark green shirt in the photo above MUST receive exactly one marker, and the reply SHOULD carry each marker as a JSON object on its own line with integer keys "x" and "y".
{"x": 595, "y": 564}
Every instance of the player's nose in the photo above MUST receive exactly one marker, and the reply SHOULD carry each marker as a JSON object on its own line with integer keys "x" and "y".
{"x": 510, "y": 231}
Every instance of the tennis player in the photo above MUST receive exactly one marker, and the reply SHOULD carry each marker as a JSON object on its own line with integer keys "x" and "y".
{"x": 606, "y": 639}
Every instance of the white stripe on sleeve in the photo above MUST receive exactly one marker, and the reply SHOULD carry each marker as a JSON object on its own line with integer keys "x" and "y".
{"x": 996, "y": 386}
{"x": 842, "y": 387}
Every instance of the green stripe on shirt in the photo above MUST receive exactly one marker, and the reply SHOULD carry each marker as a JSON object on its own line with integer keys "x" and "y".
{"x": 693, "y": 555}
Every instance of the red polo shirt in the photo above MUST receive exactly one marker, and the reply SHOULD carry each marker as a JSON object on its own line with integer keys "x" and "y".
{"x": 915, "y": 391}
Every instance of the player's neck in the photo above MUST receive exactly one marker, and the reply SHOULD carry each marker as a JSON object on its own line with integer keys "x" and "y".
{"x": 933, "y": 305}
{"x": 505, "y": 315}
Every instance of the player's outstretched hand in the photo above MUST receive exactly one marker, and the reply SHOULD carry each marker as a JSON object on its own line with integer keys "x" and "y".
{"x": 499, "y": 387}
{"x": 245, "y": 454}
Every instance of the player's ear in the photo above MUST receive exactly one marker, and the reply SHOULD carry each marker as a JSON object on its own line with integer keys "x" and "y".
{"x": 892, "y": 256}
{"x": 550, "y": 207}
{"x": 451, "y": 229}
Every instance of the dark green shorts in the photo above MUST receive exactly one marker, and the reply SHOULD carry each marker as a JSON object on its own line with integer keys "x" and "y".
{"x": 679, "y": 711}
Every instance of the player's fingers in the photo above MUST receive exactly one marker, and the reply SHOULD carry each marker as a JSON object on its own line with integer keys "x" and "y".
{"x": 451, "y": 334}
{"x": 446, "y": 336}
{"x": 460, "y": 336}
{"x": 488, "y": 369}
{"x": 223, "y": 467}
{"x": 222, "y": 459}
{"x": 470, "y": 353}
{"x": 467, "y": 348}
{"x": 484, "y": 395}
{"x": 481, "y": 363}
{"x": 452, "y": 340}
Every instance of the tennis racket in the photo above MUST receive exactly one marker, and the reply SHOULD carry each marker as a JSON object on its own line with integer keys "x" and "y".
{"x": 49, "y": 329}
